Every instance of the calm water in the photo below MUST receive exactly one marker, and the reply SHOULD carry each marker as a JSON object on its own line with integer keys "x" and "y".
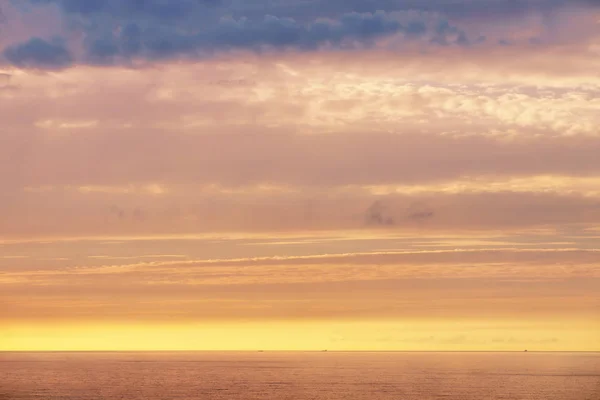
{"x": 372, "y": 376}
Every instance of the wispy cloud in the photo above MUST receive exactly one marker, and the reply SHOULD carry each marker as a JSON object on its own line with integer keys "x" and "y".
{"x": 355, "y": 285}
{"x": 156, "y": 256}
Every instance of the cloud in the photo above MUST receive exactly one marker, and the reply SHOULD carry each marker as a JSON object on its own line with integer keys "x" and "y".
{"x": 136, "y": 41}
{"x": 352, "y": 143}
{"x": 135, "y": 215}
{"x": 380, "y": 214}
{"x": 182, "y": 9}
{"x": 107, "y": 32}
{"x": 454, "y": 128}
{"x": 361, "y": 159}
{"x": 353, "y": 285}
{"x": 117, "y": 211}
{"x": 155, "y": 9}
{"x": 39, "y": 53}
{"x": 500, "y": 262}
{"x": 419, "y": 211}
{"x": 130, "y": 39}
{"x": 377, "y": 215}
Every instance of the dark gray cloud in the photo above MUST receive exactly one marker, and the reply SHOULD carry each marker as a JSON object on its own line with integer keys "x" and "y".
{"x": 117, "y": 212}
{"x": 385, "y": 213}
{"x": 493, "y": 9}
{"x": 122, "y": 214}
{"x": 274, "y": 32}
{"x": 159, "y": 9}
{"x": 378, "y": 214}
{"x": 137, "y": 40}
{"x": 419, "y": 211}
{"x": 162, "y": 10}
{"x": 153, "y": 42}
{"x": 120, "y": 31}
{"x": 39, "y": 53}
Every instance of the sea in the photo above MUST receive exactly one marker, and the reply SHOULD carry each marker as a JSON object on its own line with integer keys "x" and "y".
{"x": 300, "y": 375}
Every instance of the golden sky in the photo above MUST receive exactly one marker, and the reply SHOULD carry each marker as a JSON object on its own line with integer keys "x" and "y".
{"x": 311, "y": 177}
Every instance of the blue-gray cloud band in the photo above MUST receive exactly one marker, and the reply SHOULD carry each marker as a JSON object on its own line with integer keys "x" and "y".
{"x": 160, "y": 9}
{"x": 169, "y": 10}
{"x": 121, "y": 31}
{"x": 139, "y": 40}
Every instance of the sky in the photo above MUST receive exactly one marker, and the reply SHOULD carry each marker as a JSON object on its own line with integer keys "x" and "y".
{"x": 300, "y": 175}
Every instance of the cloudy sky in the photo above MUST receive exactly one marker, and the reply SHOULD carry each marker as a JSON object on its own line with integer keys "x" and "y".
{"x": 300, "y": 174}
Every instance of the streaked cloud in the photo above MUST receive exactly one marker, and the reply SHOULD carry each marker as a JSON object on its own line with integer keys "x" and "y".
{"x": 379, "y": 285}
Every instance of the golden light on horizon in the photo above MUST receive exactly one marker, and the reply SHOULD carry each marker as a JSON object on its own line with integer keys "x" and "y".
{"x": 362, "y": 335}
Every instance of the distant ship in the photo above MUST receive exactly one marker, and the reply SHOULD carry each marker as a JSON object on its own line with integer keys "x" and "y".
{"x": 525, "y": 350}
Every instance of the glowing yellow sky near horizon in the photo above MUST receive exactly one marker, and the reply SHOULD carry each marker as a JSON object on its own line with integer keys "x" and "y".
{"x": 410, "y": 335}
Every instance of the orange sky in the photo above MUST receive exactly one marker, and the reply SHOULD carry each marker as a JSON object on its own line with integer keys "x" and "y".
{"x": 396, "y": 196}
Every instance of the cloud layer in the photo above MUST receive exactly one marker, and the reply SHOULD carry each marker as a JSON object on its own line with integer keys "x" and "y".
{"x": 308, "y": 161}
{"x": 130, "y": 32}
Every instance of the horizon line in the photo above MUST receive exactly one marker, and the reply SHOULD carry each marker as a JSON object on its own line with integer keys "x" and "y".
{"x": 299, "y": 351}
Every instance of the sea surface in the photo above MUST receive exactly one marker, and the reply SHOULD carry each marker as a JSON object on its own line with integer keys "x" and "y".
{"x": 319, "y": 375}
